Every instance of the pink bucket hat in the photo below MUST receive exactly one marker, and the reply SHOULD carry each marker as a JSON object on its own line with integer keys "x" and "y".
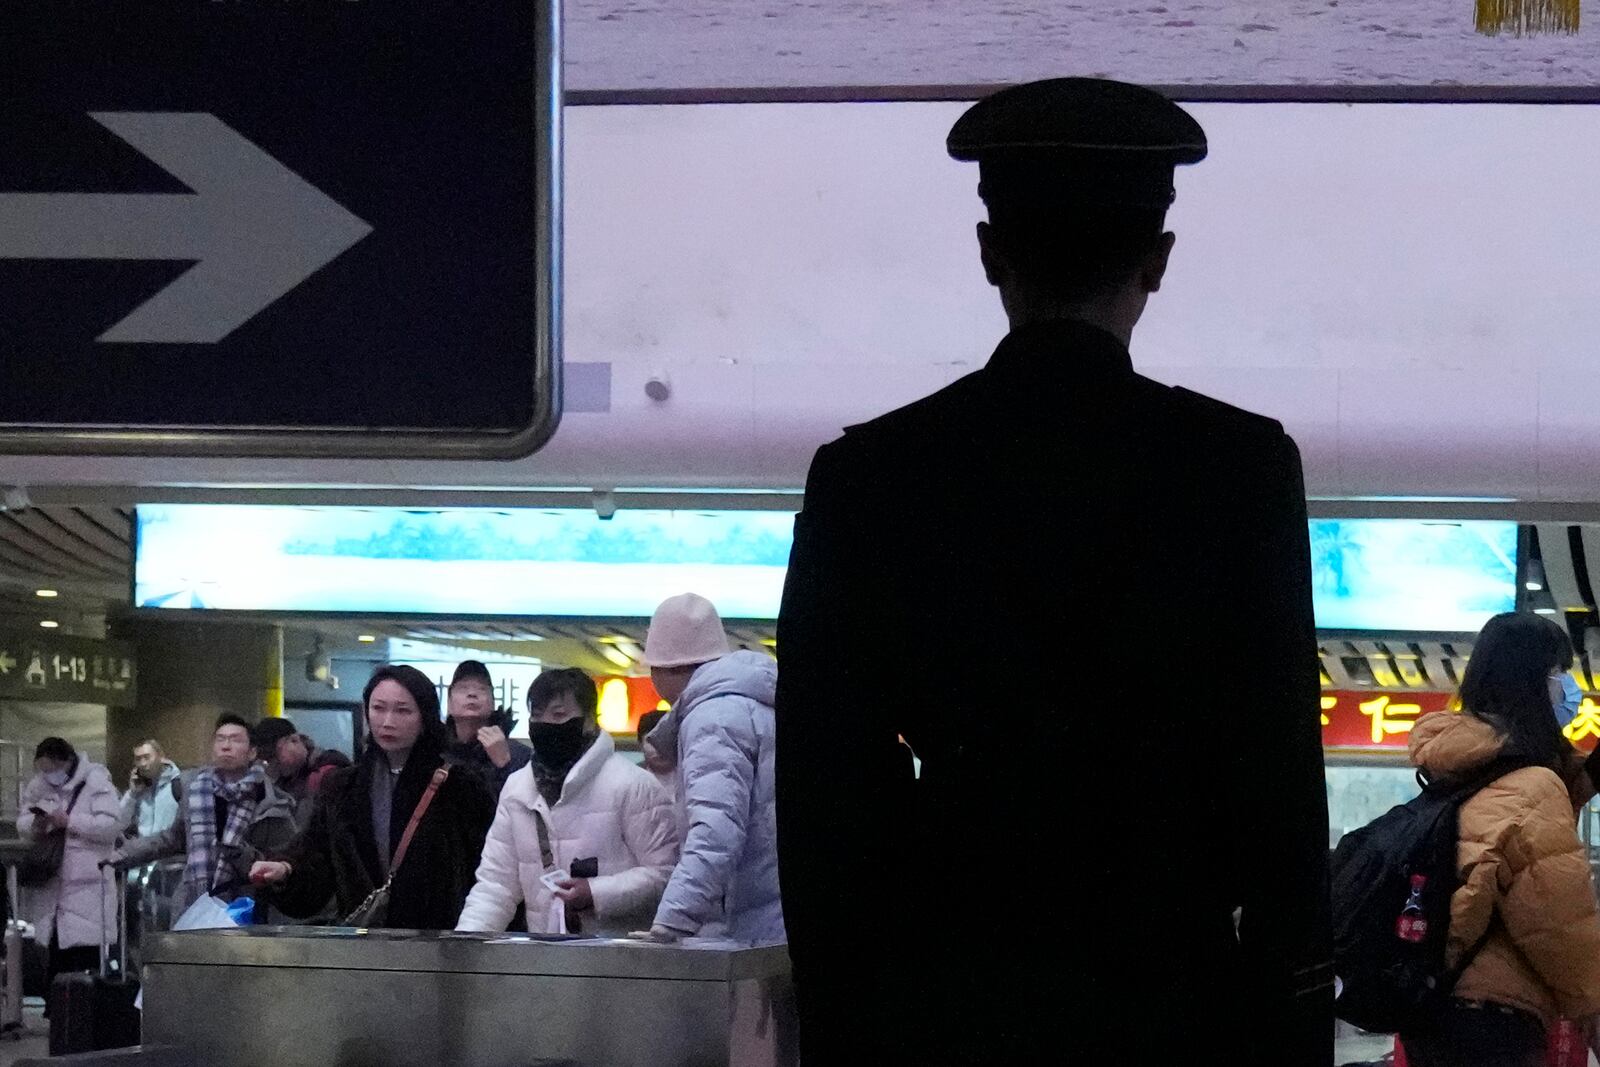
{"x": 685, "y": 629}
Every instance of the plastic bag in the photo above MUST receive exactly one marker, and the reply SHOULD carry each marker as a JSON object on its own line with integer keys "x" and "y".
{"x": 207, "y": 913}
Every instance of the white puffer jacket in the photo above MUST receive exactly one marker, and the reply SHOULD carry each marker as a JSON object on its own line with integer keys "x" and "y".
{"x": 610, "y": 810}
{"x": 71, "y": 906}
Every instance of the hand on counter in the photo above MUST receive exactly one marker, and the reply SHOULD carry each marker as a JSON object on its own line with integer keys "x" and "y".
{"x": 269, "y": 872}
{"x": 661, "y": 935}
{"x": 575, "y": 892}
{"x": 493, "y": 740}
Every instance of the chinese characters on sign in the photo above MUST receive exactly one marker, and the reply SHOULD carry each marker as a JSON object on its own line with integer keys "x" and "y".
{"x": 74, "y": 670}
{"x": 1375, "y": 720}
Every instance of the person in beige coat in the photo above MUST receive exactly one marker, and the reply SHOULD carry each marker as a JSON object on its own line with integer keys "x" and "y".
{"x": 1526, "y": 903}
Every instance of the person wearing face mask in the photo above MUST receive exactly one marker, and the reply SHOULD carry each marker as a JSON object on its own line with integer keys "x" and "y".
{"x": 721, "y": 735}
{"x": 480, "y": 733}
{"x": 583, "y": 836}
{"x": 363, "y": 813}
{"x": 75, "y": 798}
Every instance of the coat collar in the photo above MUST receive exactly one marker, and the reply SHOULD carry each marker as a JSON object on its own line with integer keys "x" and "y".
{"x": 1063, "y": 348}
{"x": 522, "y": 787}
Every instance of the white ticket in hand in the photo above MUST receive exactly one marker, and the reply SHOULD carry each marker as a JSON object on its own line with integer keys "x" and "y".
{"x": 550, "y": 880}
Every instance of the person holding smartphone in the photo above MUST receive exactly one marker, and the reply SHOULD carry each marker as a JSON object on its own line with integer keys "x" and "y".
{"x": 75, "y": 798}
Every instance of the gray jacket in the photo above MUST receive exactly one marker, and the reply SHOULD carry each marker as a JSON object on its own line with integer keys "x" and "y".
{"x": 149, "y": 808}
{"x": 722, "y": 730}
{"x": 272, "y": 829}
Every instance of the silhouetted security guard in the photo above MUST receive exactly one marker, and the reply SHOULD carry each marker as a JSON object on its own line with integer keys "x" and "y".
{"x": 1083, "y": 598}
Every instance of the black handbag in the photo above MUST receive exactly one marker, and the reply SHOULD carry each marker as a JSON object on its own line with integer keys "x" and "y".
{"x": 45, "y": 856}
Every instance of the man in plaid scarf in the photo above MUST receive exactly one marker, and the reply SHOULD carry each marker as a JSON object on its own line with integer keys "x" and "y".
{"x": 231, "y": 816}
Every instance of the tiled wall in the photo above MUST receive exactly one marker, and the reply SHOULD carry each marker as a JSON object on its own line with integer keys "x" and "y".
{"x": 1358, "y": 794}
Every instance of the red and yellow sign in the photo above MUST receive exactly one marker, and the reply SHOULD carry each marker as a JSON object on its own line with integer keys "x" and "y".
{"x": 1378, "y": 720}
{"x": 623, "y": 700}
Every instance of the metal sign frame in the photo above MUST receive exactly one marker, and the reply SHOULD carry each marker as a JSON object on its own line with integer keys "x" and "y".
{"x": 378, "y": 443}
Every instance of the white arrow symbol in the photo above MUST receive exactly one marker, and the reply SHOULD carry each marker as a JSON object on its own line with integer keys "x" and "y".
{"x": 255, "y": 228}
{"x": 6, "y": 663}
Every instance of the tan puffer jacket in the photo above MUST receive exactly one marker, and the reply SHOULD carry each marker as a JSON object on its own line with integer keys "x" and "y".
{"x": 1522, "y": 865}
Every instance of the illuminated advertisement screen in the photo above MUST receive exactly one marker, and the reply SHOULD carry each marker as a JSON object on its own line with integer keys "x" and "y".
{"x": 463, "y": 561}
{"x": 1403, "y": 575}
{"x": 1368, "y": 574}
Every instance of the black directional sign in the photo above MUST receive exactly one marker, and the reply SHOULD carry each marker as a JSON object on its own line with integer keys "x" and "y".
{"x": 39, "y": 665}
{"x": 279, "y": 227}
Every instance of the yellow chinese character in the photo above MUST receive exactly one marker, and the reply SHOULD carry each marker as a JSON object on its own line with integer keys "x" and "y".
{"x": 1389, "y": 718}
{"x": 1328, "y": 704}
{"x": 1586, "y": 723}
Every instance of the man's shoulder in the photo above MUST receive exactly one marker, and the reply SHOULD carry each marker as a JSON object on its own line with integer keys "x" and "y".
{"x": 1215, "y": 415}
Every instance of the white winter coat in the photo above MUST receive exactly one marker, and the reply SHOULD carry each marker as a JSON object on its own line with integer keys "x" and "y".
{"x": 74, "y": 905}
{"x": 610, "y": 810}
{"x": 724, "y": 733}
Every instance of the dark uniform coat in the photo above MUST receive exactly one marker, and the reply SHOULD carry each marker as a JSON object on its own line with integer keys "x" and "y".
{"x": 1083, "y": 598}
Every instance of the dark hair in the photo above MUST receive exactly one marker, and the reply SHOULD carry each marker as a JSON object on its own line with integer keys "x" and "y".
{"x": 647, "y": 722}
{"x": 1507, "y": 684}
{"x": 56, "y": 748}
{"x": 230, "y": 719}
{"x": 269, "y": 732}
{"x": 552, "y": 683}
{"x": 1077, "y": 254}
{"x": 422, "y": 690}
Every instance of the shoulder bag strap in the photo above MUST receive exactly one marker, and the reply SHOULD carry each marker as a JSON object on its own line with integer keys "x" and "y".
{"x": 547, "y": 857}
{"x": 416, "y": 817}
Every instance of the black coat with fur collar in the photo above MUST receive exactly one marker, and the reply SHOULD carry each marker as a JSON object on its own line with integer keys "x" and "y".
{"x": 336, "y": 856}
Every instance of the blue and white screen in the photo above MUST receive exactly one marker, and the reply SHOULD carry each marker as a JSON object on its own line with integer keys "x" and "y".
{"x": 1368, "y": 574}
{"x": 1400, "y": 575}
{"x": 466, "y": 561}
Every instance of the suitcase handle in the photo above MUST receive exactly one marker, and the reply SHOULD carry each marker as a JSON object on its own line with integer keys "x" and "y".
{"x": 119, "y": 880}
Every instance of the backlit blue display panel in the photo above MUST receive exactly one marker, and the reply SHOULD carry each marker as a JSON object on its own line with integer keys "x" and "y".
{"x": 1402, "y": 575}
{"x": 465, "y": 561}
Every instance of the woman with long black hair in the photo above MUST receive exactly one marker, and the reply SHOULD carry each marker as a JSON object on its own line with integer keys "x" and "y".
{"x": 1526, "y": 903}
{"x": 366, "y": 829}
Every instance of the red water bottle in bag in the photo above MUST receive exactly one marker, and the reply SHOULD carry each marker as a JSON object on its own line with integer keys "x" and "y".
{"x": 1412, "y": 925}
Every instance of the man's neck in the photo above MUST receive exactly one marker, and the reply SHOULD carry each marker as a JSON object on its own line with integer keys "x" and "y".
{"x": 466, "y": 730}
{"x": 1092, "y": 315}
{"x": 231, "y": 776}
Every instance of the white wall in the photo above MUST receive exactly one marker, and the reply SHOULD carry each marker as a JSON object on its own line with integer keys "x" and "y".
{"x": 1411, "y": 288}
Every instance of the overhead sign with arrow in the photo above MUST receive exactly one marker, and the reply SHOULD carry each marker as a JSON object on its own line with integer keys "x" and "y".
{"x": 275, "y": 227}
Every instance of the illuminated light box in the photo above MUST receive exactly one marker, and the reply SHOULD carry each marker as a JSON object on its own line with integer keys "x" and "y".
{"x": 1403, "y": 575}
{"x": 463, "y": 561}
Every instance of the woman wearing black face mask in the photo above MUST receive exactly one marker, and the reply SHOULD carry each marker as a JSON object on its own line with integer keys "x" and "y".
{"x": 582, "y": 836}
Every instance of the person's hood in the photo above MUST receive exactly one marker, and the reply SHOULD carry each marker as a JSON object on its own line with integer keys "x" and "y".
{"x": 752, "y": 675}
{"x": 743, "y": 674}
{"x": 169, "y": 773}
{"x": 86, "y": 773}
{"x": 523, "y": 786}
{"x": 275, "y": 804}
{"x": 1448, "y": 744}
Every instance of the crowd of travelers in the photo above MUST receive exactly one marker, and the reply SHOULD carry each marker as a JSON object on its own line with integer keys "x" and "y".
{"x": 443, "y": 821}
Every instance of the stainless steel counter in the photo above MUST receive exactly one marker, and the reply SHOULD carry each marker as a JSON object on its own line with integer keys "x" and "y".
{"x": 312, "y": 997}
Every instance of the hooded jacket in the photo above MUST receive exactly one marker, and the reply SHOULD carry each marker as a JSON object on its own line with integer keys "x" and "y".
{"x": 73, "y": 906}
{"x": 150, "y": 807}
{"x": 1524, "y": 871}
{"x": 610, "y": 810}
{"x": 471, "y": 755}
{"x": 723, "y": 731}
{"x": 272, "y": 827}
{"x": 337, "y": 858}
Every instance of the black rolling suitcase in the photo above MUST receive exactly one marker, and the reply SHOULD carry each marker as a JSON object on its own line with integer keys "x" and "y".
{"x": 90, "y": 1012}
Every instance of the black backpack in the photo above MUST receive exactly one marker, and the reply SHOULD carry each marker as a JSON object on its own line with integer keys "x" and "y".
{"x": 1391, "y": 984}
